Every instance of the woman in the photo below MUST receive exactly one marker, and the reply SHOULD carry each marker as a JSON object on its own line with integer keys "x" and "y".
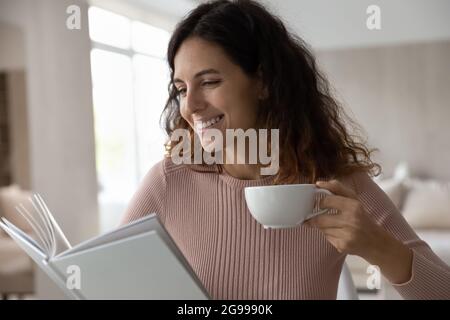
{"x": 235, "y": 66}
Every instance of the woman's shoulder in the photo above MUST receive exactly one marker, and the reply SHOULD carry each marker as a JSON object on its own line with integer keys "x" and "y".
{"x": 358, "y": 180}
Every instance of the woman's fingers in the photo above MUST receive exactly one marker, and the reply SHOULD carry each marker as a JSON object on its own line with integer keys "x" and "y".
{"x": 339, "y": 203}
{"x": 343, "y": 198}
{"x": 337, "y": 188}
{"x": 325, "y": 221}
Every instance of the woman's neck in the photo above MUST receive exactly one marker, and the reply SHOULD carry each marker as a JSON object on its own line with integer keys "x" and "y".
{"x": 240, "y": 164}
{"x": 243, "y": 171}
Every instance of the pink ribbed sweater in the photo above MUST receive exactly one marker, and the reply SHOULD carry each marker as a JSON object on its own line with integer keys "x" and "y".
{"x": 236, "y": 258}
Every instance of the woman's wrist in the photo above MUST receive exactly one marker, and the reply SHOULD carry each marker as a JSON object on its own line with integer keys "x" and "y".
{"x": 392, "y": 257}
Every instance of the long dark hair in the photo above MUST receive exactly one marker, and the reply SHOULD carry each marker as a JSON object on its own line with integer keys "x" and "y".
{"x": 314, "y": 140}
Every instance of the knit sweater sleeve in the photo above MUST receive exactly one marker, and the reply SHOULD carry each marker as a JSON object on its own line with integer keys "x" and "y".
{"x": 149, "y": 197}
{"x": 430, "y": 277}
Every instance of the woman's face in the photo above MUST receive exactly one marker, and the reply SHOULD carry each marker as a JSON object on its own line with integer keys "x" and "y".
{"x": 214, "y": 92}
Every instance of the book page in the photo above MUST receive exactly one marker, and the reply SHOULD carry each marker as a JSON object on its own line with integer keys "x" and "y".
{"x": 40, "y": 230}
{"x": 137, "y": 267}
{"x": 59, "y": 240}
{"x": 48, "y": 234}
{"x": 139, "y": 226}
{"x": 27, "y": 243}
{"x": 149, "y": 223}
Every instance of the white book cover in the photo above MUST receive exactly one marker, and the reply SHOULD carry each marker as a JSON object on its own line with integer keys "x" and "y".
{"x": 135, "y": 261}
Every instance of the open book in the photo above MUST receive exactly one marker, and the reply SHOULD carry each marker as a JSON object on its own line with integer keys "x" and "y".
{"x": 136, "y": 261}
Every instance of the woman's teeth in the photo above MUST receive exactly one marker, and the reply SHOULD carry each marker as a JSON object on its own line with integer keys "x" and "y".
{"x": 209, "y": 123}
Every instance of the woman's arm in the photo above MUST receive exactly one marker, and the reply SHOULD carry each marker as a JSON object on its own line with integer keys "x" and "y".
{"x": 369, "y": 225}
{"x": 392, "y": 256}
{"x": 149, "y": 197}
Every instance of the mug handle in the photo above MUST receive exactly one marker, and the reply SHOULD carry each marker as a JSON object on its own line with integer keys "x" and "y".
{"x": 319, "y": 190}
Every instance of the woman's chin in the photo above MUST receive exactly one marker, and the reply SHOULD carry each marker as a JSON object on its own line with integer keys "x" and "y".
{"x": 210, "y": 146}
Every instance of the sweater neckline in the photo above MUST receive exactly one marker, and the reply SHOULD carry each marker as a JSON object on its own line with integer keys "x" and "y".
{"x": 242, "y": 183}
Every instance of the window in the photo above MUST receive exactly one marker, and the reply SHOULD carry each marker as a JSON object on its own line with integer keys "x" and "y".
{"x": 129, "y": 78}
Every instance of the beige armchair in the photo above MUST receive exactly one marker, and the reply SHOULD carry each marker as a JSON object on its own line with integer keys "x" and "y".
{"x": 16, "y": 268}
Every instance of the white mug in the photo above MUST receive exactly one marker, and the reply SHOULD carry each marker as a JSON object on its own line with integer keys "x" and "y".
{"x": 283, "y": 206}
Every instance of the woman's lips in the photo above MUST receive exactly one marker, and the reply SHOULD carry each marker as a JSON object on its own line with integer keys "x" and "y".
{"x": 214, "y": 126}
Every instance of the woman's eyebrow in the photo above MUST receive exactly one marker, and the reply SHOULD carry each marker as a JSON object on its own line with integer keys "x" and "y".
{"x": 199, "y": 74}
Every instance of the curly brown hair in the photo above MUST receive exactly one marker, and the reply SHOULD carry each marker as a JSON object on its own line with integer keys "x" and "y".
{"x": 314, "y": 140}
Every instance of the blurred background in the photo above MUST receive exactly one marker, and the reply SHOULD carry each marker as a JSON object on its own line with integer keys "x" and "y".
{"x": 80, "y": 102}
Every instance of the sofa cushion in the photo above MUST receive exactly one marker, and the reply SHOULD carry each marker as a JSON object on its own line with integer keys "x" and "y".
{"x": 427, "y": 205}
{"x": 394, "y": 189}
{"x": 439, "y": 241}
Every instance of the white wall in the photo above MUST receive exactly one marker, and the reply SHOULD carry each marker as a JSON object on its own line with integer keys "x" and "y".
{"x": 60, "y": 116}
{"x": 401, "y": 97}
{"x": 327, "y": 24}
{"x": 12, "y": 47}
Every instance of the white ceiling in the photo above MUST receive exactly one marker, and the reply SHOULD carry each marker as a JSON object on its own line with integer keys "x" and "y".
{"x": 337, "y": 24}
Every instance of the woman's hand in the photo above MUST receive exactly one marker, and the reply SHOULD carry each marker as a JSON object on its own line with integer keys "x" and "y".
{"x": 352, "y": 231}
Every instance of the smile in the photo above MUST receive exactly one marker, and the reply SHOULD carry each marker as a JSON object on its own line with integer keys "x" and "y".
{"x": 202, "y": 125}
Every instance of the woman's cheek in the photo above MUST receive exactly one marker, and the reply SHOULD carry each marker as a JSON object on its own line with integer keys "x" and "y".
{"x": 184, "y": 114}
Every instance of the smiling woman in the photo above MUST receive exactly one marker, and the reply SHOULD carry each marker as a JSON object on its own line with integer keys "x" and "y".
{"x": 240, "y": 61}
{"x": 235, "y": 66}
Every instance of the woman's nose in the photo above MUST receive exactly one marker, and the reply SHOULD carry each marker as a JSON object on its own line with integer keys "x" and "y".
{"x": 194, "y": 101}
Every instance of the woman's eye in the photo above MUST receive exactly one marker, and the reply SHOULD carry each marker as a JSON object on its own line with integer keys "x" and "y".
{"x": 211, "y": 83}
{"x": 182, "y": 91}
